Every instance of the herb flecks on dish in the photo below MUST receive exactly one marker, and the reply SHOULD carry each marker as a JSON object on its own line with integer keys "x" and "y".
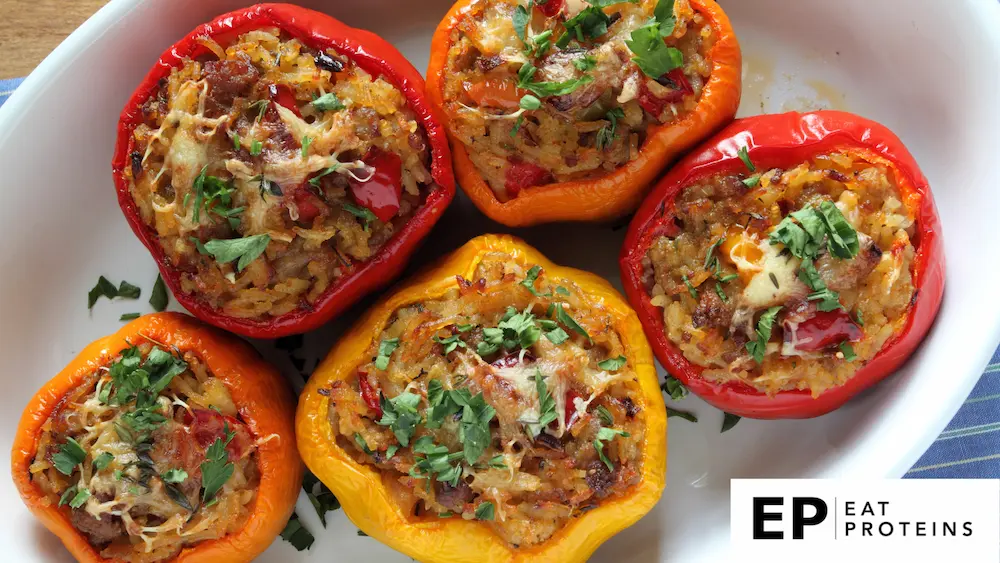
{"x": 148, "y": 456}
{"x": 546, "y": 92}
{"x": 768, "y": 280}
{"x": 266, "y": 175}
{"x": 505, "y": 388}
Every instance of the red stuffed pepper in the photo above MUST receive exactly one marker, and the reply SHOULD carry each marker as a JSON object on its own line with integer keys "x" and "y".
{"x": 279, "y": 165}
{"x": 789, "y": 263}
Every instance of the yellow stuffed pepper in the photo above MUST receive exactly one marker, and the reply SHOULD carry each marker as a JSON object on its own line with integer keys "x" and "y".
{"x": 497, "y": 407}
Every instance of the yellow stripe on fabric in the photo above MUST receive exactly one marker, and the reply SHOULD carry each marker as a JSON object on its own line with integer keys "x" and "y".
{"x": 953, "y": 463}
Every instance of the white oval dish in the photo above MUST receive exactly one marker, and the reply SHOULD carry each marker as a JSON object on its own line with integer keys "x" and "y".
{"x": 927, "y": 70}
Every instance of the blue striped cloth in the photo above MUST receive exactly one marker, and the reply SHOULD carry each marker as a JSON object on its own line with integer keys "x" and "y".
{"x": 970, "y": 445}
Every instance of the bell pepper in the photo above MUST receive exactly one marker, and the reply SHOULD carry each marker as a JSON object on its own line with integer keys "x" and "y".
{"x": 785, "y": 140}
{"x": 261, "y": 396}
{"x": 370, "y": 504}
{"x": 374, "y": 55}
{"x": 615, "y": 193}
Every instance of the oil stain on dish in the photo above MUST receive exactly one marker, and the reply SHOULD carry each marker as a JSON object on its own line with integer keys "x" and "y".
{"x": 766, "y": 90}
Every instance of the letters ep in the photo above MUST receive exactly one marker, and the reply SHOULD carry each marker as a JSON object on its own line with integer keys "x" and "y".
{"x": 761, "y": 514}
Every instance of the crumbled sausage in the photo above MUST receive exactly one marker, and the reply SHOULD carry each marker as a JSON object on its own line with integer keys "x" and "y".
{"x": 711, "y": 311}
{"x": 100, "y": 531}
{"x": 228, "y": 80}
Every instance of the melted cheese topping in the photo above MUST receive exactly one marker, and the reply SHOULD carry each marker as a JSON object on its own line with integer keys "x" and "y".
{"x": 535, "y": 476}
{"x": 571, "y": 136}
{"x": 715, "y": 321}
{"x": 123, "y": 496}
{"x": 290, "y": 134}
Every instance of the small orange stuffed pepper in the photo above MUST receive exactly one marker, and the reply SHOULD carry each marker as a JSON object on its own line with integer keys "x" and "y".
{"x": 565, "y": 110}
{"x": 166, "y": 441}
{"x": 497, "y": 407}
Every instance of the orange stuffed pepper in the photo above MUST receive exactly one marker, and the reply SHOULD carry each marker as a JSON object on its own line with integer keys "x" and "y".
{"x": 565, "y": 110}
{"x": 496, "y": 408}
{"x": 166, "y": 441}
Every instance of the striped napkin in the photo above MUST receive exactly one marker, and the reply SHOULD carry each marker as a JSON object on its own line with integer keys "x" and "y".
{"x": 968, "y": 448}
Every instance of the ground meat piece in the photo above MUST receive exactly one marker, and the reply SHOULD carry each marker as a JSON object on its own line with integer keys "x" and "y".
{"x": 487, "y": 64}
{"x": 100, "y": 531}
{"x": 599, "y": 478}
{"x": 228, "y": 80}
{"x": 453, "y": 498}
{"x": 730, "y": 186}
{"x": 841, "y": 274}
{"x": 711, "y": 311}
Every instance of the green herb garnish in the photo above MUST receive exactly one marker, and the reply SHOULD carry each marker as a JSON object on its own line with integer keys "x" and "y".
{"x": 328, "y": 102}
{"x": 606, "y": 135}
{"x": 245, "y": 249}
{"x": 756, "y": 348}
{"x": 729, "y": 421}
{"x": 744, "y": 154}
{"x": 485, "y": 511}
{"x": 385, "y": 349}
{"x": 363, "y": 213}
{"x": 297, "y": 534}
{"x": 70, "y": 454}
{"x": 400, "y": 415}
{"x": 604, "y": 435}
{"x": 216, "y": 469}
{"x": 613, "y": 364}
{"x": 105, "y": 288}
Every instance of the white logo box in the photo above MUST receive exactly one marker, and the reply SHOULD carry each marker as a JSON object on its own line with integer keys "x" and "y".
{"x": 911, "y": 520}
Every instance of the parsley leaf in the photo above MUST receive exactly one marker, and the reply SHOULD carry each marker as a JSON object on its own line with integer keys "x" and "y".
{"x": 129, "y": 316}
{"x": 756, "y": 348}
{"x": 653, "y": 57}
{"x": 842, "y": 239}
{"x": 516, "y": 330}
{"x": 546, "y": 407}
{"x": 400, "y": 415}
{"x": 174, "y": 476}
{"x": 691, "y": 289}
{"x": 80, "y": 498}
{"x": 70, "y": 454}
{"x": 328, "y": 170}
{"x": 605, "y": 415}
{"x": 246, "y": 249}
{"x": 102, "y": 461}
{"x": 436, "y": 461}
{"x": 605, "y": 435}
{"x": 449, "y": 344}
{"x": 671, "y": 412}
{"x": 296, "y": 534}
{"x": 585, "y": 63}
{"x": 664, "y": 15}
{"x": 521, "y": 19}
{"x": 546, "y": 89}
{"x": 613, "y": 364}
{"x": 105, "y": 288}
{"x": 744, "y": 154}
{"x": 328, "y": 102}
{"x": 322, "y": 499}
{"x": 529, "y": 102}
{"x": 529, "y": 281}
{"x": 256, "y": 147}
{"x": 306, "y": 141}
{"x": 562, "y": 316}
{"x": 441, "y": 404}
{"x": 362, "y": 213}
{"x": 848, "y": 351}
{"x": 474, "y": 429}
{"x": 485, "y": 511}
{"x": 216, "y": 469}
{"x": 360, "y": 441}
{"x": 159, "y": 298}
{"x": 729, "y": 421}
{"x": 606, "y": 135}
{"x": 385, "y": 349}
{"x": 674, "y": 388}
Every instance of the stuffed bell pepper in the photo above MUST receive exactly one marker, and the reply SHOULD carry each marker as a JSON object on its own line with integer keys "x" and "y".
{"x": 165, "y": 441}
{"x": 497, "y": 408}
{"x": 279, "y": 165}
{"x": 568, "y": 110}
{"x": 789, "y": 263}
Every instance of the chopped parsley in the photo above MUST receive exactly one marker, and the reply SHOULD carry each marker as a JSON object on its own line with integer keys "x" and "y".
{"x": 360, "y": 441}
{"x": 691, "y": 289}
{"x": 485, "y": 511}
{"x": 690, "y": 417}
{"x": 70, "y": 455}
{"x": 529, "y": 102}
{"x": 652, "y": 55}
{"x": 752, "y": 181}
{"x": 474, "y": 428}
{"x": 744, "y": 154}
{"x": 129, "y": 316}
{"x": 521, "y": 18}
{"x": 328, "y": 170}
{"x": 613, "y": 364}
{"x": 75, "y": 497}
{"x": 449, "y": 344}
{"x": 434, "y": 460}
{"x": 328, "y": 102}
{"x": 102, "y": 461}
{"x": 159, "y": 298}
{"x": 674, "y": 388}
{"x": 857, "y": 317}
{"x": 322, "y": 499}
{"x": 256, "y": 147}
{"x": 385, "y": 349}
{"x": 297, "y": 534}
{"x": 563, "y": 317}
{"x": 546, "y": 407}
{"x": 516, "y": 330}
{"x": 585, "y": 63}
{"x": 606, "y": 134}
{"x": 105, "y": 288}
{"x": 363, "y": 213}
{"x": 546, "y": 89}
{"x": 604, "y": 415}
{"x": 174, "y": 476}
{"x": 306, "y": 141}
{"x": 729, "y": 421}
{"x": 848, "y": 351}
{"x": 756, "y": 348}
{"x": 605, "y": 435}
{"x": 400, "y": 415}
{"x": 245, "y": 250}
{"x": 216, "y": 469}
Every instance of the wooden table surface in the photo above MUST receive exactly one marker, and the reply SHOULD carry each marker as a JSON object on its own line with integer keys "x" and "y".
{"x": 30, "y": 29}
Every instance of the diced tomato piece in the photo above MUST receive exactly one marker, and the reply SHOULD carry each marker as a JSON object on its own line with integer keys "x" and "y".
{"x": 550, "y": 8}
{"x": 678, "y": 86}
{"x": 370, "y": 395}
{"x": 818, "y": 330}
{"x": 571, "y": 413}
{"x": 283, "y": 95}
{"x": 380, "y": 194}
{"x": 494, "y": 93}
{"x": 207, "y": 426}
{"x": 308, "y": 203}
{"x": 521, "y": 175}
{"x": 511, "y": 360}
